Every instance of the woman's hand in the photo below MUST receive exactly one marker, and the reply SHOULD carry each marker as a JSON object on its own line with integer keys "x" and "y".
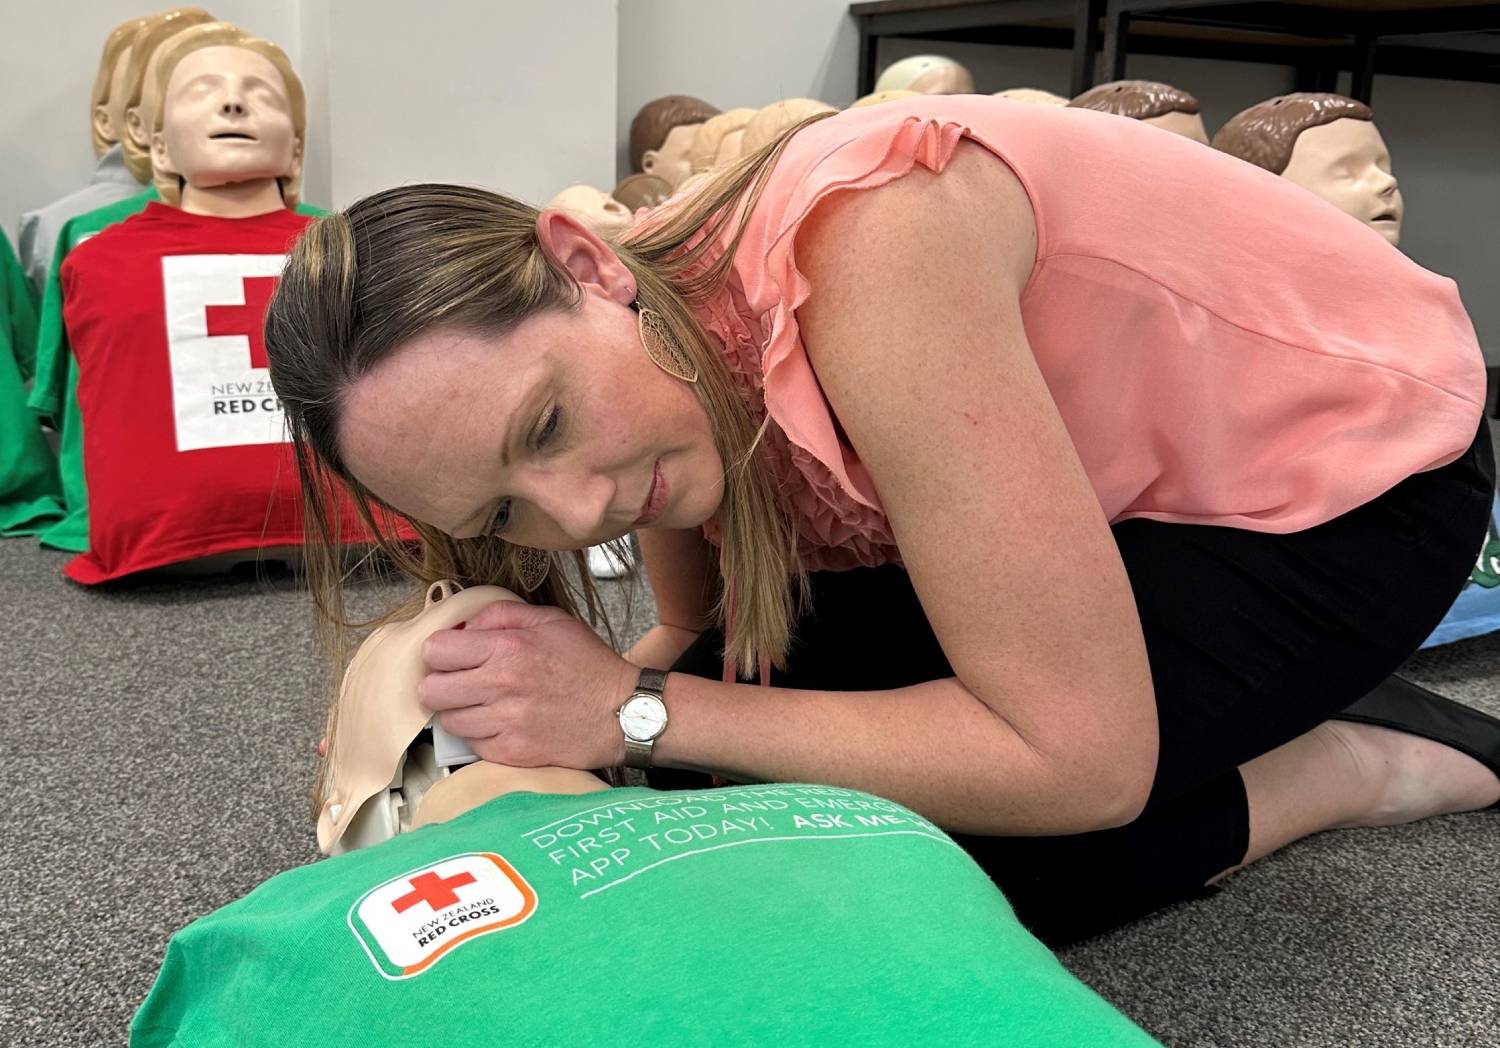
{"x": 528, "y": 686}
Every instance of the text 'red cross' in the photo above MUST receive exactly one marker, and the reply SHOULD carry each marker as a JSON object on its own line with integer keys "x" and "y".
{"x": 249, "y": 319}
{"x": 435, "y": 891}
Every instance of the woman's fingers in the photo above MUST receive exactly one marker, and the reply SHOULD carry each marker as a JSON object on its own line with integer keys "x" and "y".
{"x": 455, "y": 649}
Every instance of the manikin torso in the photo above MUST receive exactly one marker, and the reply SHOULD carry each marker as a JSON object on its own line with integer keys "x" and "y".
{"x": 1347, "y": 164}
{"x": 391, "y": 768}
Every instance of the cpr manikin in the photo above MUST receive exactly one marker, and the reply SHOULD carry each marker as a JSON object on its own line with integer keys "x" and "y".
{"x": 597, "y": 209}
{"x": 1160, "y": 105}
{"x": 1032, "y": 96}
{"x": 111, "y": 182}
{"x": 638, "y": 191}
{"x": 767, "y": 124}
{"x": 662, "y": 136}
{"x": 877, "y": 97}
{"x": 227, "y": 139}
{"x": 390, "y": 767}
{"x": 1326, "y": 143}
{"x": 927, "y": 75}
{"x": 718, "y": 140}
{"x": 142, "y": 99}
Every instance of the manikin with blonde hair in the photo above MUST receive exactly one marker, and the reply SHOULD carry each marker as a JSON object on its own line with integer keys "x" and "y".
{"x": 111, "y": 181}
{"x": 857, "y": 494}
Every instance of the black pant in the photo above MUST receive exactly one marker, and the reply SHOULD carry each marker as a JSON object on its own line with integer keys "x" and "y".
{"x": 1253, "y": 639}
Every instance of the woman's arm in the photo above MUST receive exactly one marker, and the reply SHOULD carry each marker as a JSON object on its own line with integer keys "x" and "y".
{"x": 683, "y": 573}
{"x": 1050, "y": 723}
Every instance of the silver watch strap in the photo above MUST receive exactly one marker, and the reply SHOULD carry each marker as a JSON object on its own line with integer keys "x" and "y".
{"x": 638, "y": 754}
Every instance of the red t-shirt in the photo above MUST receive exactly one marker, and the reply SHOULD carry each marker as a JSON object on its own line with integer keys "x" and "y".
{"x": 184, "y": 442}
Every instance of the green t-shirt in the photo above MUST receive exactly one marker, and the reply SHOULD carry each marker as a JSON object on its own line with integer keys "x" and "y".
{"x": 29, "y": 487}
{"x": 783, "y": 915}
{"x": 54, "y": 395}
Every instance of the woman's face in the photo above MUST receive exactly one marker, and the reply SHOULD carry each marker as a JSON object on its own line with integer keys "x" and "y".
{"x": 550, "y": 436}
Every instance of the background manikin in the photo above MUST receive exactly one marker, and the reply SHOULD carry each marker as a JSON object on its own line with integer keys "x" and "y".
{"x": 926, "y": 75}
{"x": 1032, "y": 96}
{"x": 638, "y": 191}
{"x": 142, "y": 99}
{"x": 718, "y": 140}
{"x": 598, "y": 210}
{"x": 769, "y": 122}
{"x": 662, "y": 136}
{"x": 1150, "y": 102}
{"x": 111, "y": 181}
{"x": 1326, "y": 143}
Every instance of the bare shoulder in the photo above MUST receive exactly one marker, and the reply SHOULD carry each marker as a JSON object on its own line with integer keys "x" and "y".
{"x": 975, "y": 214}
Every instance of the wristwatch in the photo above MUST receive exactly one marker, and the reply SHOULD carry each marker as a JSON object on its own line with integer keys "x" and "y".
{"x": 643, "y": 717}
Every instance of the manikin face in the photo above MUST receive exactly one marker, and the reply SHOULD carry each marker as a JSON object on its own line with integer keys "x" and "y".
{"x": 1347, "y": 164}
{"x": 671, "y": 162}
{"x": 729, "y": 148}
{"x": 226, "y": 118}
{"x": 552, "y": 435}
{"x": 599, "y": 211}
{"x": 1188, "y": 125}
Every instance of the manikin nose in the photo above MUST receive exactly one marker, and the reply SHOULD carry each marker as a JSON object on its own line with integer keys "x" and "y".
{"x": 232, "y": 108}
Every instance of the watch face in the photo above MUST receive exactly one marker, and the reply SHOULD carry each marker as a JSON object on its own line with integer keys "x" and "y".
{"x": 643, "y": 717}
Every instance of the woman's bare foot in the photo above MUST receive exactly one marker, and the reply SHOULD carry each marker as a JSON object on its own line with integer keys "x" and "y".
{"x": 1411, "y": 777}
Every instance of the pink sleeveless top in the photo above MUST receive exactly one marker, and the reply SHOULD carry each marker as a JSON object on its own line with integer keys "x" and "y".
{"x": 1223, "y": 346}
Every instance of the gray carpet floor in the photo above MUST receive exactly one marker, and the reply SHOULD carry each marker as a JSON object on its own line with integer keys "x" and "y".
{"x": 158, "y": 757}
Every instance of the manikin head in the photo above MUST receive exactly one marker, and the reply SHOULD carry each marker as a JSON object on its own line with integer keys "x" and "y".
{"x": 1032, "y": 96}
{"x": 877, "y": 97}
{"x": 1325, "y": 143}
{"x": 106, "y": 100}
{"x": 140, "y": 98}
{"x": 717, "y": 142}
{"x": 767, "y": 125}
{"x": 638, "y": 191}
{"x": 599, "y": 211}
{"x": 662, "y": 134}
{"x": 927, "y": 75}
{"x": 1161, "y": 105}
{"x": 389, "y": 767}
{"x": 232, "y": 111}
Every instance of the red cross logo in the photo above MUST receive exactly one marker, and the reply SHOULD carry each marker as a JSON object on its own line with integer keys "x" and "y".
{"x": 435, "y": 891}
{"x": 248, "y": 320}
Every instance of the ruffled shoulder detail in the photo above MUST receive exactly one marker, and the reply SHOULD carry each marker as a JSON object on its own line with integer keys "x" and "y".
{"x": 837, "y": 507}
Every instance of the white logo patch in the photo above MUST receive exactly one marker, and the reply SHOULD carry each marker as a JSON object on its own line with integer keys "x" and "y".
{"x": 407, "y": 923}
{"x": 221, "y": 388}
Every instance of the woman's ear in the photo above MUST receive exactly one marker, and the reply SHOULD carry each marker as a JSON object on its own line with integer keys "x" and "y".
{"x": 590, "y": 261}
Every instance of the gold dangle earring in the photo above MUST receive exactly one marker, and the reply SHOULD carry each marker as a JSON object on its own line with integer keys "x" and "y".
{"x": 662, "y": 348}
{"x": 533, "y": 565}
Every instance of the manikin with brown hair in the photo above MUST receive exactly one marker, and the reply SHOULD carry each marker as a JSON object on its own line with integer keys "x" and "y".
{"x": 1327, "y": 144}
{"x": 859, "y": 495}
{"x": 1157, "y": 104}
{"x": 662, "y": 136}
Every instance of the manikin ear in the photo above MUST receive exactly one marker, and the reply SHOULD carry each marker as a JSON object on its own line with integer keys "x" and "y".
{"x": 161, "y": 160}
{"x": 103, "y": 127}
{"x": 590, "y": 261}
{"x": 135, "y": 127}
{"x": 648, "y": 161}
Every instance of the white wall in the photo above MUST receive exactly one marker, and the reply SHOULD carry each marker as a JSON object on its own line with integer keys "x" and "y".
{"x": 733, "y": 54}
{"x": 49, "y": 54}
{"x": 1441, "y": 134}
{"x": 516, "y": 96}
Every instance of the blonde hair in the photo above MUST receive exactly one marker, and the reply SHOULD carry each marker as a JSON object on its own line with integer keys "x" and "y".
{"x": 115, "y": 44}
{"x": 223, "y": 34}
{"x": 363, "y": 281}
{"x": 155, "y": 30}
